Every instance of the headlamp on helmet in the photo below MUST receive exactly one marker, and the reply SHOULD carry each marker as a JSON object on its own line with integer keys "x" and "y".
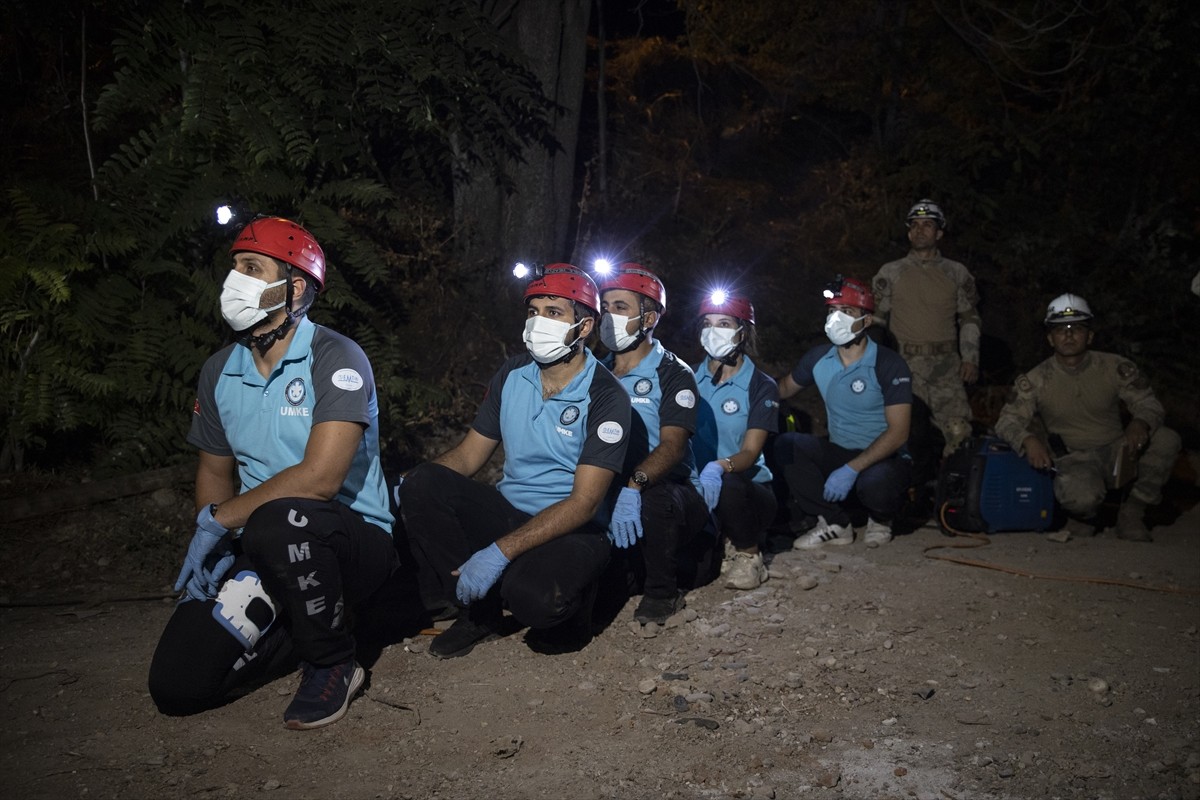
{"x": 926, "y": 209}
{"x": 722, "y": 301}
{"x": 849, "y": 292}
{"x": 1068, "y": 309}
{"x": 563, "y": 280}
{"x": 521, "y": 270}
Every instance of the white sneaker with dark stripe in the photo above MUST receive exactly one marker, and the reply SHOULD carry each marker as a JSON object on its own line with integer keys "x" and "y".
{"x": 824, "y": 534}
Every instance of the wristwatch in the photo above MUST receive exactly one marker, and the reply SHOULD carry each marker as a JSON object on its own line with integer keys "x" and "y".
{"x": 641, "y": 479}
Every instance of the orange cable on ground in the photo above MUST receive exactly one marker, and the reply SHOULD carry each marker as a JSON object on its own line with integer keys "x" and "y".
{"x": 981, "y": 540}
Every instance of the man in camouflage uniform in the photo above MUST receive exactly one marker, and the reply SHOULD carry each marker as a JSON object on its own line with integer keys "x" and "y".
{"x": 1077, "y": 393}
{"x": 929, "y": 304}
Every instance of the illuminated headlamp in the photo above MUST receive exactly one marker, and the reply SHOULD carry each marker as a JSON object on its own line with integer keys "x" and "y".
{"x": 531, "y": 271}
{"x": 236, "y": 211}
{"x": 718, "y": 297}
{"x": 602, "y": 266}
{"x": 833, "y": 289}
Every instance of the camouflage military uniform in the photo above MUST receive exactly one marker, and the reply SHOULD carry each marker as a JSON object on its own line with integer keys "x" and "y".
{"x": 929, "y": 306}
{"x": 1082, "y": 406}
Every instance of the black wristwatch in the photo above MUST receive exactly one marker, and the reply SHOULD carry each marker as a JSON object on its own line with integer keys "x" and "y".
{"x": 640, "y": 478}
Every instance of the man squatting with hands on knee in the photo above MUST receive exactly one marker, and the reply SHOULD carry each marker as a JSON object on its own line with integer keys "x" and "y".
{"x": 536, "y": 542}
{"x": 289, "y": 412}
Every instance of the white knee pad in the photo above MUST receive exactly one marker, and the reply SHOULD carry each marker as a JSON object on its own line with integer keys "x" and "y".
{"x": 244, "y": 608}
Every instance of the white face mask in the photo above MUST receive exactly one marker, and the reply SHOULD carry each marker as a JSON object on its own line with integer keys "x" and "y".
{"x": 613, "y": 329}
{"x": 718, "y": 342}
{"x": 241, "y": 296}
{"x": 544, "y": 338}
{"x": 839, "y": 327}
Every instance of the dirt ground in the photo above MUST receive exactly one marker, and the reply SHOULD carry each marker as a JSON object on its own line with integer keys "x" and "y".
{"x": 853, "y": 673}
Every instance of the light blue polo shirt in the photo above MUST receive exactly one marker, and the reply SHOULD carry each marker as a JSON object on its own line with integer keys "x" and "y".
{"x": 662, "y": 390}
{"x": 855, "y": 396}
{"x": 747, "y": 399}
{"x": 264, "y": 423}
{"x": 545, "y": 440}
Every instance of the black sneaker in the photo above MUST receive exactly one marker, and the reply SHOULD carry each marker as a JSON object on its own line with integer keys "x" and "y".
{"x": 461, "y": 637}
{"x": 324, "y": 694}
{"x": 657, "y": 609}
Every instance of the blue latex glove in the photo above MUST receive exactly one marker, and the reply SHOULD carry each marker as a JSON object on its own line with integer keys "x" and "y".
{"x": 710, "y": 483}
{"x": 198, "y": 581}
{"x": 480, "y": 574}
{"x": 839, "y": 484}
{"x": 626, "y": 525}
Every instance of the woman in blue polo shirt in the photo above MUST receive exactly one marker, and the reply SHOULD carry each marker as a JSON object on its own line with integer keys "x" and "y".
{"x": 740, "y": 409}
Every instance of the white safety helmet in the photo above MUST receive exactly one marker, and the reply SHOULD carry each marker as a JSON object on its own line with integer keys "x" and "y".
{"x": 1068, "y": 308}
{"x": 926, "y": 209}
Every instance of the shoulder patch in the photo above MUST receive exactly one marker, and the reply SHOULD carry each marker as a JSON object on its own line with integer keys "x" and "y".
{"x": 1127, "y": 369}
{"x": 1024, "y": 384}
{"x": 610, "y": 432}
{"x": 686, "y": 398}
{"x": 347, "y": 379}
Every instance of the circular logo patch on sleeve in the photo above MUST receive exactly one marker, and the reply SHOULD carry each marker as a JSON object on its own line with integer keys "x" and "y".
{"x": 686, "y": 398}
{"x": 348, "y": 380}
{"x": 610, "y": 432}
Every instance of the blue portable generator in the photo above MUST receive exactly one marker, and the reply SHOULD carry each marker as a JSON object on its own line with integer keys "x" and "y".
{"x": 985, "y": 487}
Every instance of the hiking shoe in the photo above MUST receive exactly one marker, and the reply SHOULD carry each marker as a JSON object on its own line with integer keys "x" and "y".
{"x": 746, "y": 571}
{"x": 1129, "y": 522}
{"x": 877, "y": 533}
{"x": 727, "y": 560}
{"x": 657, "y": 609}
{"x": 824, "y": 534}
{"x": 1079, "y": 528}
{"x": 324, "y": 694}
{"x": 461, "y": 637}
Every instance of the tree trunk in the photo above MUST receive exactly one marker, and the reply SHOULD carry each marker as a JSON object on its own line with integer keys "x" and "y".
{"x": 531, "y": 221}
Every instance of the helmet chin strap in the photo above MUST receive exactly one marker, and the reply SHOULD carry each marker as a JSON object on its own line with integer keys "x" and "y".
{"x": 727, "y": 360}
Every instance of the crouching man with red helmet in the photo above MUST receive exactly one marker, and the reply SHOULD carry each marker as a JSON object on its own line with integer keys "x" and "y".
{"x": 867, "y": 391}
{"x": 294, "y": 526}
{"x": 536, "y": 542}
{"x": 659, "y": 516}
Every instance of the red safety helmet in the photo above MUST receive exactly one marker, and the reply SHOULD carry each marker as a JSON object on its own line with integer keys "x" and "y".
{"x": 567, "y": 281}
{"x": 285, "y": 240}
{"x": 635, "y": 278}
{"x": 849, "y": 292}
{"x": 721, "y": 302}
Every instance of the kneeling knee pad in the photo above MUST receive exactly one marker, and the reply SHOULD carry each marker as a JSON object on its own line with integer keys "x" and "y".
{"x": 244, "y": 608}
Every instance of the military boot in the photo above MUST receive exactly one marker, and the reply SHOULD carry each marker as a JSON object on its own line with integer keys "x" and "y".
{"x": 1130, "y": 525}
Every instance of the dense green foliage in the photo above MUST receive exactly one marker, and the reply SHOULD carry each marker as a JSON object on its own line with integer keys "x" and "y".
{"x": 339, "y": 114}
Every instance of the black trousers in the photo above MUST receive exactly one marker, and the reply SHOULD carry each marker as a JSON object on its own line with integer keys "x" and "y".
{"x": 674, "y": 539}
{"x": 806, "y": 461}
{"x": 745, "y": 509}
{"x": 449, "y": 517}
{"x": 314, "y": 560}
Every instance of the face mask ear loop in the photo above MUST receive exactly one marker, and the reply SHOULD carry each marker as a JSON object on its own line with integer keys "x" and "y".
{"x": 263, "y": 342}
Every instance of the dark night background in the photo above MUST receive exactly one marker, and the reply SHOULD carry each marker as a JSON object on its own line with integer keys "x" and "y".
{"x": 767, "y": 144}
